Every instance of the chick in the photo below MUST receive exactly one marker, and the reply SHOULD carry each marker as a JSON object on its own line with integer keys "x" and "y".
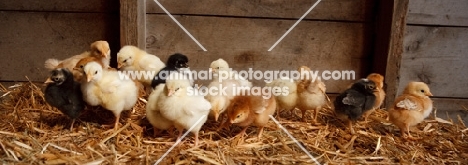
{"x": 131, "y": 58}
{"x": 108, "y": 89}
{"x": 221, "y": 96}
{"x": 153, "y": 113}
{"x": 220, "y": 67}
{"x": 311, "y": 94}
{"x": 79, "y": 74}
{"x": 182, "y": 104}
{"x": 176, "y": 62}
{"x": 379, "y": 93}
{"x": 353, "y": 102}
{"x": 64, "y": 93}
{"x": 250, "y": 110}
{"x": 98, "y": 49}
{"x": 411, "y": 108}
{"x": 285, "y": 101}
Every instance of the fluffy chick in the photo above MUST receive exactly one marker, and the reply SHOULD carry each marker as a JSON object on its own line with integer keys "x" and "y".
{"x": 220, "y": 98}
{"x": 411, "y": 108}
{"x": 64, "y": 93}
{"x": 181, "y": 104}
{"x": 153, "y": 113}
{"x": 287, "y": 101}
{"x": 311, "y": 94}
{"x": 176, "y": 62}
{"x": 379, "y": 93}
{"x": 98, "y": 49}
{"x": 250, "y": 110}
{"x": 79, "y": 74}
{"x": 353, "y": 102}
{"x": 106, "y": 88}
{"x": 221, "y": 67}
{"x": 131, "y": 58}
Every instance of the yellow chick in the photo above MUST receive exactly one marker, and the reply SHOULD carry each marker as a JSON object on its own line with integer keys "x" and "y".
{"x": 221, "y": 71}
{"x": 311, "y": 94}
{"x": 131, "y": 58}
{"x": 411, "y": 108}
{"x": 108, "y": 89}
{"x": 250, "y": 110}
{"x": 153, "y": 113}
{"x": 286, "y": 101}
{"x": 221, "y": 96}
{"x": 183, "y": 105}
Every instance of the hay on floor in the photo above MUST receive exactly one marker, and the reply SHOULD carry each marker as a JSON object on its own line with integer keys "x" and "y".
{"x": 32, "y": 132}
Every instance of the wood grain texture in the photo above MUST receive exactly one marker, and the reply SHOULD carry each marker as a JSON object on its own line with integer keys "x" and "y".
{"x": 61, "y": 5}
{"x": 395, "y": 46}
{"x": 132, "y": 23}
{"x": 449, "y": 108}
{"x": 447, "y": 12}
{"x": 244, "y": 43}
{"x": 348, "y": 10}
{"x": 437, "y": 56}
{"x": 29, "y": 38}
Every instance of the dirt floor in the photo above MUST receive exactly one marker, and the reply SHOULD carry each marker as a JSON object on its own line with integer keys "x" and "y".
{"x": 32, "y": 132}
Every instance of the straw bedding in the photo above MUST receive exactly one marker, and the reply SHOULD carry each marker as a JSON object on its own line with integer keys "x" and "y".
{"x": 32, "y": 132}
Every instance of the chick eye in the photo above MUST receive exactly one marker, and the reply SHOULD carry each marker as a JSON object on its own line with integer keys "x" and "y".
{"x": 124, "y": 61}
{"x": 177, "y": 89}
{"x": 217, "y": 67}
{"x": 422, "y": 90}
{"x": 238, "y": 116}
{"x": 81, "y": 66}
{"x": 95, "y": 72}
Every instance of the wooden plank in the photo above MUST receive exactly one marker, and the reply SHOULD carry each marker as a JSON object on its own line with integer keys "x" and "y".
{"x": 449, "y": 108}
{"x": 436, "y": 55}
{"x": 390, "y": 25}
{"x": 348, "y": 10}
{"x": 29, "y": 38}
{"x": 244, "y": 44}
{"x": 448, "y": 12}
{"x": 132, "y": 23}
{"x": 61, "y": 5}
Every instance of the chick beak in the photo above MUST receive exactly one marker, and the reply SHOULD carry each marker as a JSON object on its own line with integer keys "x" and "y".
{"x": 89, "y": 77}
{"x": 429, "y": 94}
{"x": 119, "y": 65}
{"x": 105, "y": 55}
{"x": 48, "y": 81}
{"x": 170, "y": 92}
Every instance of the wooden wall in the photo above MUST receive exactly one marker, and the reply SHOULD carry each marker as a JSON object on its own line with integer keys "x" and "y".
{"x": 435, "y": 48}
{"x": 336, "y": 35}
{"x": 32, "y": 31}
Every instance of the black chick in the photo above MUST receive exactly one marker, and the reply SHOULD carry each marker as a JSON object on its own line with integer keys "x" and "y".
{"x": 64, "y": 93}
{"x": 353, "y": 102}
{"x": 174, "y": 63}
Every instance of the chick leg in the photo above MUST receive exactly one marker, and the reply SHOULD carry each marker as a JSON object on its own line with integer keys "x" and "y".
{"x": 316, "y": 112}
{"x": 196, "y": 139}
{"x": 367, "y": 114}
{"x": 303, "y": 115}
{"x": 260, "y": 133}
{"x": 116, "y": 124}
{"x": 242, "y": 133}
{"x": 71, "y": 126}
{"x": 350, "y": 126}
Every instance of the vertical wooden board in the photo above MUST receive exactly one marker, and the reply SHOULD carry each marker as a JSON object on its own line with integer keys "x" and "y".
{"x": 61, "y": 5}
{"x": 349, "y": 10}
{"x": 449, "y": 108}
{"x": 29, "y": 38}
{"x": 244, "y": 43}
{"x": 447, "y": 12}
{"x": 132, "y": 23}
{"x": 437, "y": 56}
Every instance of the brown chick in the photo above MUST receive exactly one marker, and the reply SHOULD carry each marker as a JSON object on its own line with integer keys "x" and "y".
{"x": 98, "y": 49}
{"x": 379, "y": 93}
{"x": 311, "y": 94}
{"x": 250, "y": 110}
{"x": 78, "y": 72}
{"x": 411, "y": 108}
